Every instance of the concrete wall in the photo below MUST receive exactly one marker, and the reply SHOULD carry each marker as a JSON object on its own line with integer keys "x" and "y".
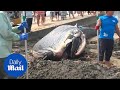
{"x": 90, "y": 21}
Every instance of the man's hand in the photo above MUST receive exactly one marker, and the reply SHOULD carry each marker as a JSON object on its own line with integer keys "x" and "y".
{"x": 22, "y": 26}
{"x": 98, "y": 24}
{"x": 97, "y": 27}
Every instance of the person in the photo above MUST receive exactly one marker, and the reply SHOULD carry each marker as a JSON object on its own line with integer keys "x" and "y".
{"x": 52, "y": 14}
{"x": 71, "y": 13}
{"x": 78, "y": 12}
{"x": 29, "y": 19}
{"x": 107, "y": 24}
{"x": 81, "y": 13}
{"x": 40, "y": 15}
{"x": 57, "y": 14}
{"x": 8, "y": 34}
{"x": 63, "y": 15}
{"x": 34, "y": 16}
{"x": 45, "y": 13}
{"x": 89, "y": 12}
{"x": 94, "y": 13}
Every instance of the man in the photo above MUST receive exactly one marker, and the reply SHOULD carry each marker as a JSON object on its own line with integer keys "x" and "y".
{"x": 52, "y": 14}
{"x": 71, "y": 13}
{"x": 7, "y": 36}
{"x": 80, "y": 13}
{"x": 29, "y": 18}
{"x": 108, "y": 24}
{"x": 40, "y": 15}
{"x": 63, "y": 15}
{"x": 89, "y": 12}
{"x": 57, "y": 14}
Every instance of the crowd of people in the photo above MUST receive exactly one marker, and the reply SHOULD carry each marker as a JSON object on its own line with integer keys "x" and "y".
{"x": 57, "y": 15}
{"x": 40, "y": 16}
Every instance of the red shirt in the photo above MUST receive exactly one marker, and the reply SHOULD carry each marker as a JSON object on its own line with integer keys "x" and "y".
{"x": 40, "y": 12}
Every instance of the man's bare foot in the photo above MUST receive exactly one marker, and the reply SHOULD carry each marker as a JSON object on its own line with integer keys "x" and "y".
{"x": 108, "y": 63}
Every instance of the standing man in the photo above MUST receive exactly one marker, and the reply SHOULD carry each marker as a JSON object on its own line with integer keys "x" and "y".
{"x": 29, "y": 19}
{"x": 89, "y": 12}
{"x": 63, "y": 15}
{"x": 108, "y": 25}
{"x": 57, "y": 14}
{"x": 7, "y": 36}
{"x": 40, "y": 17}
{"x": 71, "y": 13}
{"x": 52, "y": 14}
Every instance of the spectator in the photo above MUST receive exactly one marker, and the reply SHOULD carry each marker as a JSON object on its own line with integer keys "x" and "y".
{"x": 40, "y": 17}
{"x": 89, "y": 12}
{"x": 81, "y": 13}
{"x": 34, "y": 16}
{"x": 29, "y": 19}
{"x": 63, "y": 15}
{"x": 78, "y": 12}
{"x": 45, "y": 13}
{"x": 71, "y": 13}
{"x": 57, "y": 14}
{"x": 52, "y": 14}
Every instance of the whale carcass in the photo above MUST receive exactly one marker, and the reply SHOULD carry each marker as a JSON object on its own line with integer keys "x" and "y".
{"x": 65, "y": 41}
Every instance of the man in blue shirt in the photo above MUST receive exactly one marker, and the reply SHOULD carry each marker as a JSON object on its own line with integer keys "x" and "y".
{"x": 107, "y": 24}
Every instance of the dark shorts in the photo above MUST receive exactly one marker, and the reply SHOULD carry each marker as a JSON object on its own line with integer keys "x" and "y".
{"x": 52, "y": 14}
{"x": 29, "y": 22}
{"x": 70, "y": 12}
{"x": 105, "y": 49}
{"x": 88, "y": 11}
{"x": 57, "y": 13}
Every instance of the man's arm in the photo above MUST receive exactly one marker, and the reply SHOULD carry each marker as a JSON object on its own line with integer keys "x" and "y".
{"x": 98, "y": 24}
{"x": 118, "y": 30}
{"x": 15, "y": 29}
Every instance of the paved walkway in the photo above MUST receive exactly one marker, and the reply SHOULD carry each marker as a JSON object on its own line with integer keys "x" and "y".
{"x": 49, "y": 24}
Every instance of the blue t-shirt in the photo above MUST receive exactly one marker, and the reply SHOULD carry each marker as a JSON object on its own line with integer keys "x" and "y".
{"x": 108, "y": 26}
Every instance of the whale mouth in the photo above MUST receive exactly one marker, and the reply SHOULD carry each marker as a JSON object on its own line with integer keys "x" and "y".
{"x": 72, "y": 48}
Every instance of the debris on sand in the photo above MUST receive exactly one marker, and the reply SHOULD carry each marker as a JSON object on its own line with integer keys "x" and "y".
{"x": 68, "y": 69}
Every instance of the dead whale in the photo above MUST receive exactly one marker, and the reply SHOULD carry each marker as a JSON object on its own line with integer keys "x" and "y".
{"x": 65, "y": 41}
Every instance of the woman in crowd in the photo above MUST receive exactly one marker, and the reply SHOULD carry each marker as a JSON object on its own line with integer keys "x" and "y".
{"x": 40, "y": 17}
